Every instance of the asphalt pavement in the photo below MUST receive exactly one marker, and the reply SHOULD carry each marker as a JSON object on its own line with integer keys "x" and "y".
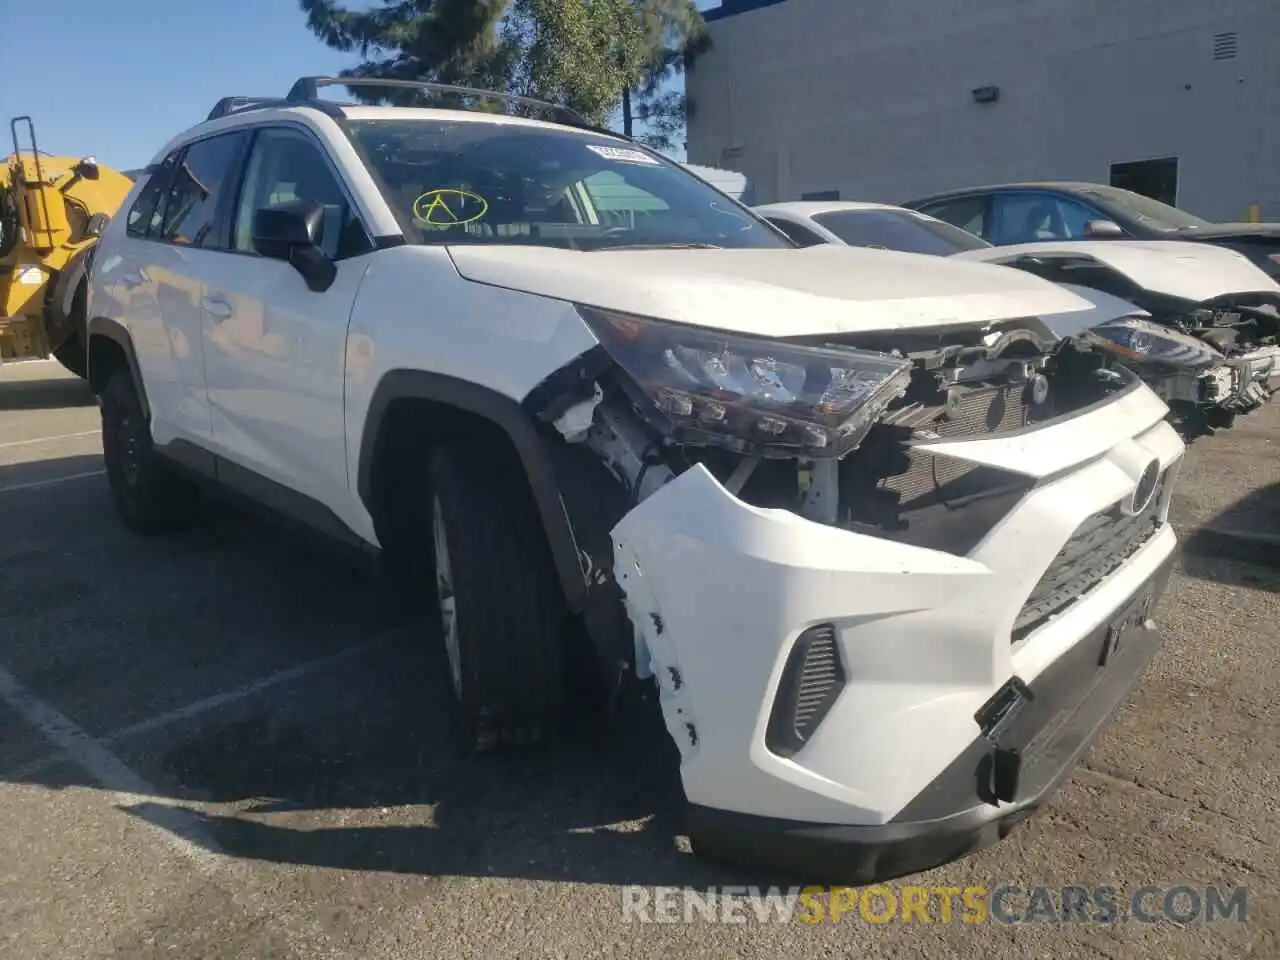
{"x": 228, "y": 744}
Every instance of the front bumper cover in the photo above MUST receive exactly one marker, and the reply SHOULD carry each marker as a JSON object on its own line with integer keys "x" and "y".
{"x": 1070, "y": 703}
{"x": 720, "y": 592}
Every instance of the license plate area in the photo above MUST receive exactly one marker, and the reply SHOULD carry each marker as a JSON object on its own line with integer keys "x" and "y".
{"x": 1135, "y": 613}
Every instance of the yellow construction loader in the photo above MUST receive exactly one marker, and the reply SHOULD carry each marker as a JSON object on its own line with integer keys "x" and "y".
{"x": 52, "y": 210}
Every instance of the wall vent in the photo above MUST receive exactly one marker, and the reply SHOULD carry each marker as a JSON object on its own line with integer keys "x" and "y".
{"x": 1226, "y": 46}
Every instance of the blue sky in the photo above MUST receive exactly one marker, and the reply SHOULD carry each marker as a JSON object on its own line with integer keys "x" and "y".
{"x": 117, "y": 78}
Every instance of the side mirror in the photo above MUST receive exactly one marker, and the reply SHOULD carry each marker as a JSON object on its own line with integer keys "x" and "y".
{"x": 1102, "y": 230}
{"x": 293, "y": 232}
{"x": 87, "y": 168}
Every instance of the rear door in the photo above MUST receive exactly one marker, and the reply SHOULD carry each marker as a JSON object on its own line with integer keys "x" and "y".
{"x": 170, "y": 233}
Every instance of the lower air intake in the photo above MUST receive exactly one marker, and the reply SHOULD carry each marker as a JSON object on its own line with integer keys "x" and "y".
{"x": 811, "y": 681}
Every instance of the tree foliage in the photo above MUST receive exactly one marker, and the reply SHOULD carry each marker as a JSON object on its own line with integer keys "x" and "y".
{"x": 586, "y": 54}
{"x": 675, "y": 36}
{"x": 449, "y": 41}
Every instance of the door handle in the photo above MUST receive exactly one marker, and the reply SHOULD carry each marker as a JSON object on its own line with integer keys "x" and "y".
{"x": 216, "y": 308}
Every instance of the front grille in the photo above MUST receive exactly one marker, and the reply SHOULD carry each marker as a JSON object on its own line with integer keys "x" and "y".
{"x": 811, "y": 681}
{"x": 1097, "y": 548}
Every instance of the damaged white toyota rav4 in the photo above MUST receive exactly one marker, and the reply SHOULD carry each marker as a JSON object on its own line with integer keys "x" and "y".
{"x": 887, "y": 545}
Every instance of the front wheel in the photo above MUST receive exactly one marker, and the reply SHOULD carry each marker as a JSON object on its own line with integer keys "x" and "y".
{"x": 502, "y": 614}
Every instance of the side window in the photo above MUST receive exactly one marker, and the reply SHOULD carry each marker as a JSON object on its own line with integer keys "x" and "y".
{"x": 967, "y": 213}
{"x": 190, "y": 215}
{"x": 1075, "y": 215}
{"x": 801, "y": 235}
{"x": 287, "y": 165}
{"x": 1026, "y": 217}
{"x": 147, "y": 213}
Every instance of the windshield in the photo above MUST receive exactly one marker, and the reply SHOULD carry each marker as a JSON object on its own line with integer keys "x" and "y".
{"x": 477, "y": 182}
{"x": 1148, "y": 212}
{"x": 898, "y": 230}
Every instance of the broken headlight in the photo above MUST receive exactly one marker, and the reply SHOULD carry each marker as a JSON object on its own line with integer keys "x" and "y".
{"x": 1143, "y": 341}
{"x": 750, "y": 393}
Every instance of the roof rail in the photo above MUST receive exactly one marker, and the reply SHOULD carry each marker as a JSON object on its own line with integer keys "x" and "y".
{"x": 307, "y": 90}
{"x": 229, "y": 105}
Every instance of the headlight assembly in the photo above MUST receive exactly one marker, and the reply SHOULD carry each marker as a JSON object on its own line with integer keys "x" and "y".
{"x": 1143, "y": 341}
{"x": 744, "y": 392}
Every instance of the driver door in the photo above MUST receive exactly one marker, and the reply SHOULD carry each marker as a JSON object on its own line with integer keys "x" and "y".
{"x": 274, "y": 350}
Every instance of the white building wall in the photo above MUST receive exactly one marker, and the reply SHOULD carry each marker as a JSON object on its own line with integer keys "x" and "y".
{"x": 874, "y": 98}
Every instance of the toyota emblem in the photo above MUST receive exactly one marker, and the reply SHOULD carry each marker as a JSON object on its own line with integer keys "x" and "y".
{"x": 1144, "y": 490}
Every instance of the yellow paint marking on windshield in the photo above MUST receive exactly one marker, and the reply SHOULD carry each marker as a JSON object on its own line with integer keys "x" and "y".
{"x": 446, "y": 207}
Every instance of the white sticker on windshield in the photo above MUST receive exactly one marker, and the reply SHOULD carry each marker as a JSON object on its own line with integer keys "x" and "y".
{"x": 622, "y": 154}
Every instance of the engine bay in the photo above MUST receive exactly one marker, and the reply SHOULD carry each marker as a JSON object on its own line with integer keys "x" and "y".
{"x": 963, "y": 384}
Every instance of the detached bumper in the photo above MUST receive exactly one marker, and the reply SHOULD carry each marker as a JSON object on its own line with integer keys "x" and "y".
{"x": 1065, "y": 709}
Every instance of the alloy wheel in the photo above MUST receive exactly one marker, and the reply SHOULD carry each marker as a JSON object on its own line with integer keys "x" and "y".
{"x": 445, "y": 595}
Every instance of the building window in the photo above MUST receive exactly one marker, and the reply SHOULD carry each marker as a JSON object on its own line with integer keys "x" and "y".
{"x": 821, "y": 195}
{"x": 1157, "y": 179}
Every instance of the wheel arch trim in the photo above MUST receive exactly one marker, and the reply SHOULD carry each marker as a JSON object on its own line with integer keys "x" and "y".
{"x": 116, "y": 332}
{"x": 530, "y": 446}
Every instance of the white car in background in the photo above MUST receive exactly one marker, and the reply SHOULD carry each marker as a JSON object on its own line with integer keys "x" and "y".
{"x": 1199, "y": 323}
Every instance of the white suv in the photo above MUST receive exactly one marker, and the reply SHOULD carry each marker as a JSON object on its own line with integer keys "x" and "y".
{"x": 887, "y": 545}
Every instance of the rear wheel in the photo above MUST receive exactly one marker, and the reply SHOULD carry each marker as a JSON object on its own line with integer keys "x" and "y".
{"x": 72, "y": 356}
{"x": 1219, "y": 419}
{"x": 502, "y": 615}
{"x": 150, "y": 496}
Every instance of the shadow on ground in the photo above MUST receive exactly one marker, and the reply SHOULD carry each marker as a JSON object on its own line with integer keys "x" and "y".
{"x": 352, "y": 768}
{"x": 1241, "y": 544}
{"x": 51, "y": 394}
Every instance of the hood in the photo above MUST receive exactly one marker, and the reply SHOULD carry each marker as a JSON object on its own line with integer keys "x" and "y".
{"x": 1227, "y": 231}
{"x": 1175, "y": 268}
{"x": 1103, "y": 308}
{"x": 814, "y": 291}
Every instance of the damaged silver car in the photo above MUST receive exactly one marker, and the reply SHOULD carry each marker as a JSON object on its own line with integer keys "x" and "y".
{"x": 1199, "y": 323}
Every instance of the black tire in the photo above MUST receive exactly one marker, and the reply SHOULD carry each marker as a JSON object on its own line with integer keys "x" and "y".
{"x": 150, "y": 496}
{"x": 509, "y": 667}
{"x": 1219, "y": 419}
{"x": 72, "y": 356}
